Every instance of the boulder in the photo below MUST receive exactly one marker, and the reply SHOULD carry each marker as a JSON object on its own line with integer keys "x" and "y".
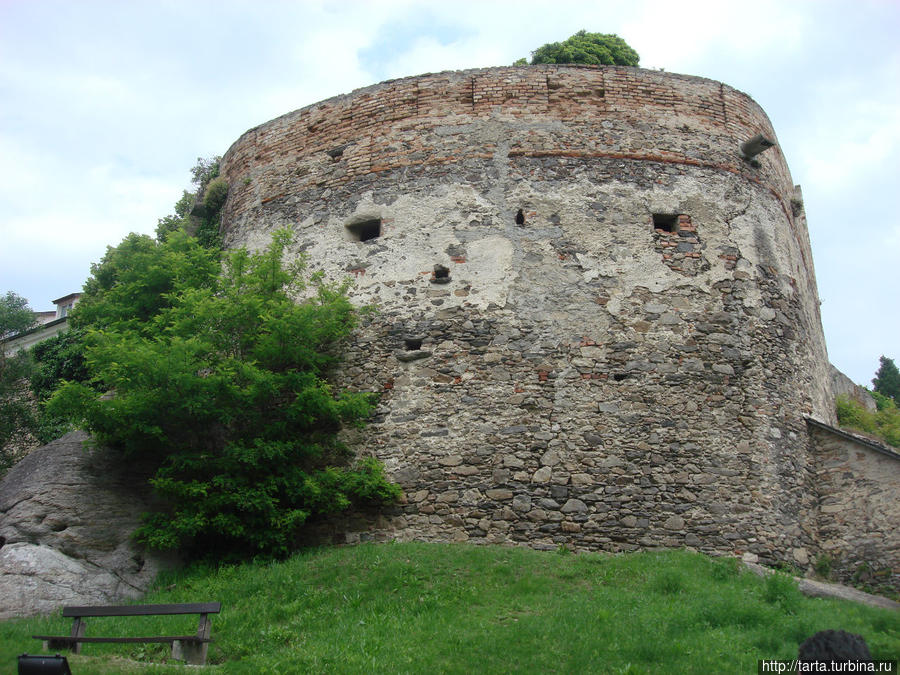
{"x": 67, "y": 513}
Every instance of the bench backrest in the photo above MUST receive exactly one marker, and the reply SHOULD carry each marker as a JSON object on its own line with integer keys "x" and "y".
{"x": 144, "y": 610}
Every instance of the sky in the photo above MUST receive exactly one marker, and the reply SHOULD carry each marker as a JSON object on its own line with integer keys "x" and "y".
{"x": 106, "y": 105}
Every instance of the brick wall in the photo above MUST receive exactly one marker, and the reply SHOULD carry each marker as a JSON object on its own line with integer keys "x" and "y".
{"x": 386, "y": 126}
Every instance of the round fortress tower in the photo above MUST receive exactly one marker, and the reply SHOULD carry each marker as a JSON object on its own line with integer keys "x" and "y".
{"x": 597, "y": 323}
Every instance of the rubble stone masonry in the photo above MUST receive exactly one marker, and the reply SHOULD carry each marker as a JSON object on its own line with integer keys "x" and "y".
{"x": 596, "y": 323}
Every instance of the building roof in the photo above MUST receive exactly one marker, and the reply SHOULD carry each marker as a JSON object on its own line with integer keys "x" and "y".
{"x": 70, "y": 296}
{"x": 871, "y": 443}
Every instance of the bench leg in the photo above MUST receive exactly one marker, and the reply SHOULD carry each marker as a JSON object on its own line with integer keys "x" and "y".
{"x": 190, "y": 652}
{"x": 78, "y": 626}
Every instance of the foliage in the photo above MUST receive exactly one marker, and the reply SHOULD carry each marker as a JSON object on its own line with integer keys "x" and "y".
{"x": 198, "y": 212}
{"x": 215, "y": 194}
{"x": 780, "y": 589}
{"x": 56, "y": 359}
{"x": 883, "y": 424}
{"x": 17, "y": 418}
{"x": 180, "y": 221}
{"x": 136, "y": 280}
{"x": 823, "y": 565}
{"x": 15, "y": 315}
{"x": 204, "y": 171}
{"x": 213, "y": 200}
{"x": 887, "y": 379}
{"x": 586, "y": 48}
{"x": 221, "y": 378}
{"x": 16, "y": 413}
{"x": 415, "y": 607}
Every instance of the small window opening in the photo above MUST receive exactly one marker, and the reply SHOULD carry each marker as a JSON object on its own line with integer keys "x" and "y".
{"x": 440, "y": 275}
{"x": 520, "y": 218}
{"x": 336, "y": 153}
{"x": 412, "y": 344}
{"x": 618, "y": 377}
{"x": 665, "y": 222}
{"x": 365, "y": 230}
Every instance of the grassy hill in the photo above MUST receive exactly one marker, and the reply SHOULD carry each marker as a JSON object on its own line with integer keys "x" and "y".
{"x": 433, "y": 608}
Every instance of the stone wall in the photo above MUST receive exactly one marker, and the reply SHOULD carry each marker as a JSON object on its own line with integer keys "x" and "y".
{"x": 597, "y": 325}
{"x": 842, "y": 385}
{"x": 858, "y": 482}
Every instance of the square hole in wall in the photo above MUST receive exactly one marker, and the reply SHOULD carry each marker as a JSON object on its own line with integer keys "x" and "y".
{"x": 364, "y": 230}
{"x": 667, "y": 222}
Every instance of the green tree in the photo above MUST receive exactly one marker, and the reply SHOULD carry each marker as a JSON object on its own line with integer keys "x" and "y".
{"x": 587, "y": 48}
{"x": 15, "y": 315}
{"x": 887, "y": 379}
{"x": 16, "y": 413}
{"x": 136, "y": 280}
{"x": 180, "y": 220}
{"x": 222, "y": 382}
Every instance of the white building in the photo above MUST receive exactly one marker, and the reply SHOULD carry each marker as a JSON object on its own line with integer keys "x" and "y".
{"x": 49, "y": 323}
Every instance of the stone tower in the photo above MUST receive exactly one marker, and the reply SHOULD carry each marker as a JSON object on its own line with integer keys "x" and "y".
{"x": 597, "y": 322}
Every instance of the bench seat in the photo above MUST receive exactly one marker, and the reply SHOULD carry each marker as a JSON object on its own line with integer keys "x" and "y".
{"x": 66, "y": 641}
{"x": 190, "y": 648}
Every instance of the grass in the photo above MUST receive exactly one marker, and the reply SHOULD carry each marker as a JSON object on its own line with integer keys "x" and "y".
{"x": 434, "y": 608}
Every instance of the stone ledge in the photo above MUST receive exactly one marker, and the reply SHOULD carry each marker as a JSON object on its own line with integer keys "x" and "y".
{"x": 821, "y": 589}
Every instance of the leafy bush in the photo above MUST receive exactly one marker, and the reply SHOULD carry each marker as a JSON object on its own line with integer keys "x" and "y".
{"x": 55, "y": 360}
{"x": 222, "y": 381}
{"x": 823, "y": 565}
{"x": 851, "y": 413}
{"x": 216, "y": 192}
{"x": 58, "y": 358}
{"x": 780, "y": 589}
{"x": 16, "y": 412}
{"x": 883, "y": 424}
{"x": 587, "y": 48}
{"x": 210, "y": 193}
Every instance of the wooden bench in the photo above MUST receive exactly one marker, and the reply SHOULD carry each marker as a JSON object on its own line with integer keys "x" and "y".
{"x": 190, "y": 648}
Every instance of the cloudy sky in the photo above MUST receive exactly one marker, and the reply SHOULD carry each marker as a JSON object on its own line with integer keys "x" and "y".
{"x": 105, "y": 106}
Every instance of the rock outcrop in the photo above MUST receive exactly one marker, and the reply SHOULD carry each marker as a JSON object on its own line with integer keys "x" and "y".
{"x": 67, "y": 513}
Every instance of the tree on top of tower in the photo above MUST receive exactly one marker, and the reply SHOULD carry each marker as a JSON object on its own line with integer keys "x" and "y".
{"x": 588, "y": 48}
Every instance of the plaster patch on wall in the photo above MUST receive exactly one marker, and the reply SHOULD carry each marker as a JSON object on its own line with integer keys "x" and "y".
{"x": 489, "y": 270}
